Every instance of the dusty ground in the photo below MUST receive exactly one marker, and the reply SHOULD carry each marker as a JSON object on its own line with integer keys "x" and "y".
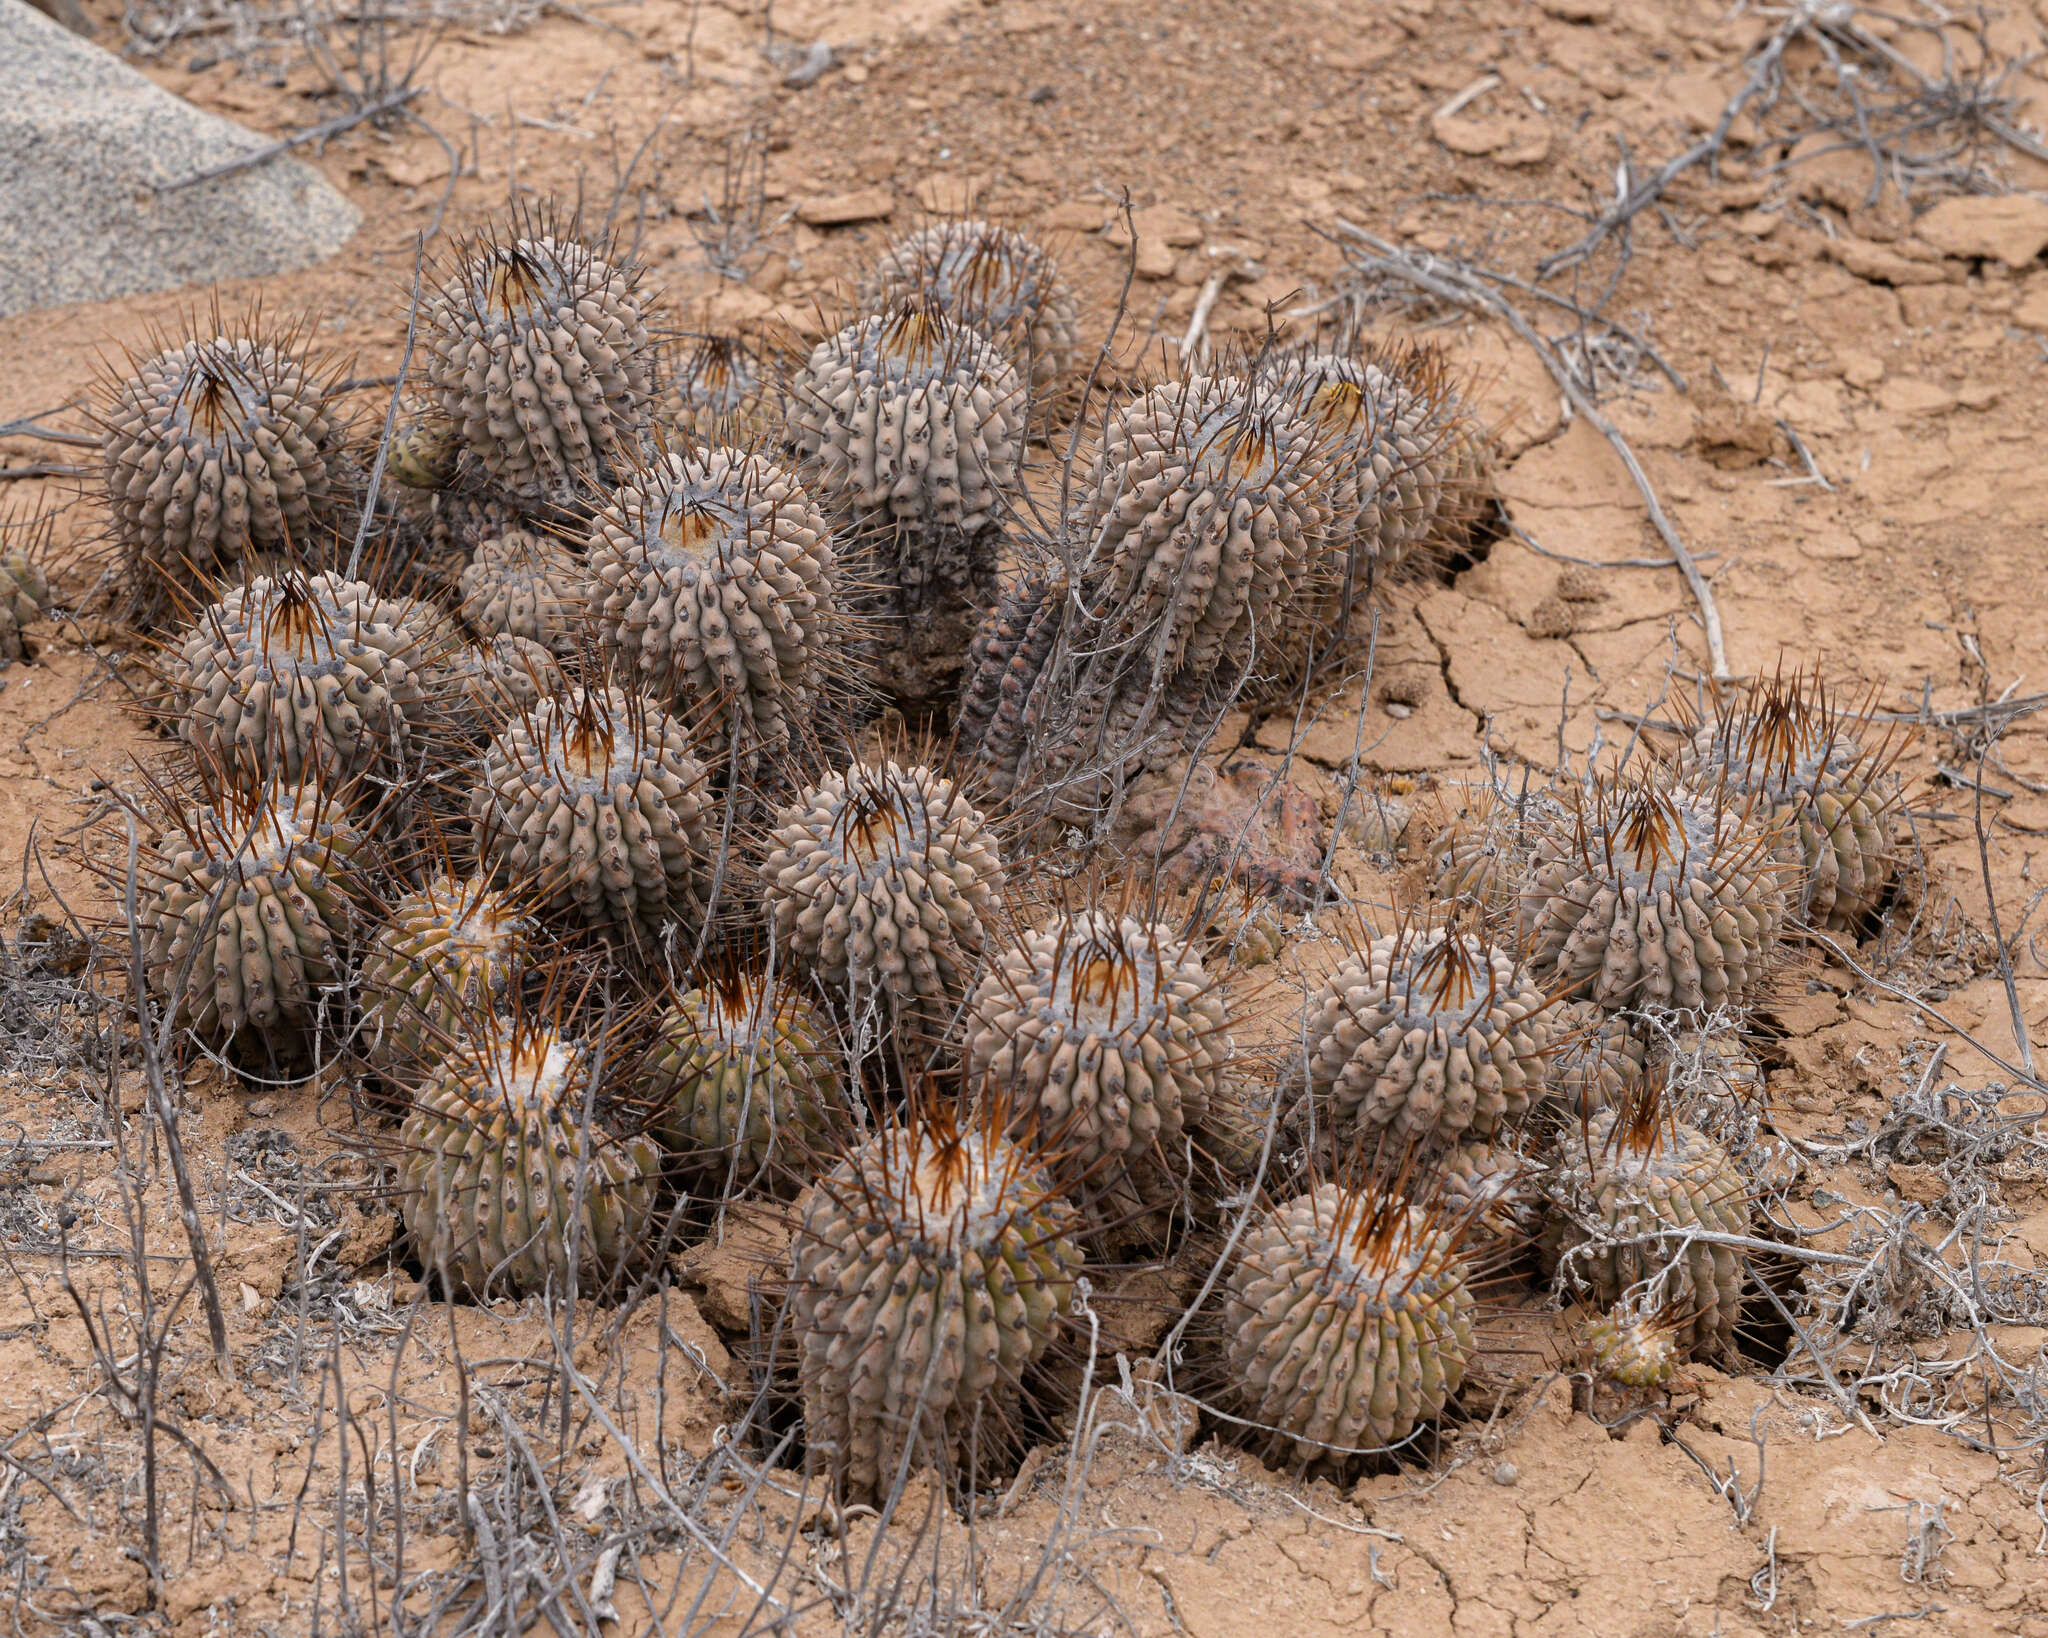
{"x": 1788, "y": 301}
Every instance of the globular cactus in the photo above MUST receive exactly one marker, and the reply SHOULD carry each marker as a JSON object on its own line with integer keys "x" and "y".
{"x": 475, "y": 689}
{"x": 999, "y": 704}
{"x": 1626, "y": 1190}
{"x": 216, "y": 453}
{"x": 1653, "y": 896}
{"x": 1426, "y": 1037}
{"x": 1632, "y": 1348}
{"x": 718, "y": 391}
{"x": 520, "y": 584}
{"x": 993, "y": 279}
{"x": 538, "y": 352}
{"x": 1203, "y": 504}
{"x": 1481, "y": 856}
{"x": 1404, "y": 461}
{"x": 302, "y": 674}
{"x": 593, "y": 807}
{"x": 883, "y": 878}
{"x": 1807, "y": 767}
{"x": 711, "y": 575}
{"x": 1347, "y": 1323}
{"x": 1597, "y": 1061}
{"x": 1490, "y": 1191}
{"x": 424, "y": 450}
{"x": 24, "y": 597}
{"x": 251, "y": 911}
{"x": 446, "y": 953}
{"x": 932, "y": 1269}
{"x": 1106, "y": 1041}
{"x": 745, "y": 1082}
{"x": 506, "y": 1185}
{"x": 911, "y": 431}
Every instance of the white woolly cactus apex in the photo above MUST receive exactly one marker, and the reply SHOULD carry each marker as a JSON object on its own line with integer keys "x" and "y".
{"x": 447, "y": 952}
{"x": 1811, "y": 767}
{"x": 932, "y": 1269}
{"x": 1203, "y": 504}
{"x": 1347, "y": 1323}
{"x": 1104, "y": 1038}
{"x": 993, "y": 279}
{"x": 216, "y": 452}
{"x": 911, "y": 431}
{"x": 250, "y": 913}
{"x": 711, "y": 575}
{"x": 883, "y": 877}
{"x": 507, "y": 1185}
{"x": 1653, "y": 896}
{"x": 593, "y": 807}
{"x": 1626, "y": 1189}
{"x": 1427, "y": 1036}
{"x": 520, "y": 584}
{"x": 745, "y": 1081}
{"x": 301, "y": 674}
{"x": 538, "y": 351}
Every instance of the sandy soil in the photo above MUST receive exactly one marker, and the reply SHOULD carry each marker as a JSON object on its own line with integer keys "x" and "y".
{"x": 1244, "y": 132}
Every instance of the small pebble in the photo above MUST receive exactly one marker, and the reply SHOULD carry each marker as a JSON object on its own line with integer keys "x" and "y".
{"x": 261, "y": 1108}
{"x": 1506, "y": 1473}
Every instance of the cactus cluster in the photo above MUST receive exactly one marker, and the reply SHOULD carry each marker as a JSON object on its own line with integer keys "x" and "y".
{"x": 611, "y": 741}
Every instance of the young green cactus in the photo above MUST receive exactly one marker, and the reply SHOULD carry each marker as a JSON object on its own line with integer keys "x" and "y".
{"x": 745, "y": 1081}
{"x": 447, "y": 951}
{"x": 507, "y": 1186}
